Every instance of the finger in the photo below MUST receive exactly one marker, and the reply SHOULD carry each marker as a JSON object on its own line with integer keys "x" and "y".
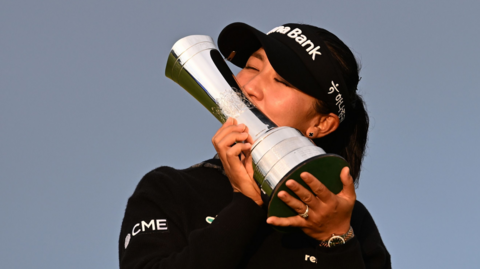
{"x": 228, "y": 129}
{"x": 249, "y": 138}
{"x": 248, "y": 163}
{"x": 246, "y": 154}
{"x": 231, "y": 160}
{"x": 228, "y": 122}
{"x": 232, "y": 138}
{"x": 322, "y": 192}
{"x": 295, "y": 221}
{"x": 224, "y": 131}
{"x": 293, "y": 203}
{"x": 233, "y": 152}
{"x": 348, "y": 184}
{"x": 305, "y": 195}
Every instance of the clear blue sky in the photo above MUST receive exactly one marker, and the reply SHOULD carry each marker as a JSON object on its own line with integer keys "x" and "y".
{"x": 85, "y": 112}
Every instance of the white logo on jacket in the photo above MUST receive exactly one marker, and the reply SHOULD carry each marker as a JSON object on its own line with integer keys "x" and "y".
{"x": 299, "y": 38}
{"x": 152, "y": 225}
{"x": 127, "y": 240}
{"x": 310, "y": 258}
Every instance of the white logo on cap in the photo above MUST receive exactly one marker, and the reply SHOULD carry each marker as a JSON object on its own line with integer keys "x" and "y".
{"x": 280, "y": 29}
{"x": 339, "y": 99}
{"x": 299, "y": 38}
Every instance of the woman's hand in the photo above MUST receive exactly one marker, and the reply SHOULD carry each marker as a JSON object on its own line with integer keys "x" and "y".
{"x": 239, "y": 170}
{"x": 327, "y": 213}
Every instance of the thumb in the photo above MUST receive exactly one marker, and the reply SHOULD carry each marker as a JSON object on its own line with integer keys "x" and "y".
{"x": 348, "y": 185}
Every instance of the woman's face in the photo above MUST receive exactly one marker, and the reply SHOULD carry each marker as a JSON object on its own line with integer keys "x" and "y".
{"x": 284, "y": 104}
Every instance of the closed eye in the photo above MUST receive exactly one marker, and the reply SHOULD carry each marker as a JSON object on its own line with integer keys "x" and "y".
{"x": 251, "y": 68}
{"x": 283, "y": 82}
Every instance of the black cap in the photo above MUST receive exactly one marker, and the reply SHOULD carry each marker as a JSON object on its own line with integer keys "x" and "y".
{"x": 297, "y": 53}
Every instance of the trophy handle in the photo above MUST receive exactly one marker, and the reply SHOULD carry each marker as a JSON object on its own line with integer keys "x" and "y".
{"x": 196, "y": 65}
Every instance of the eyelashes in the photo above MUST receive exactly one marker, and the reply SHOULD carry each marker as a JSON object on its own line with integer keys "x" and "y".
{"x": 283, "y": 82}
{"x": 249, "y": 67}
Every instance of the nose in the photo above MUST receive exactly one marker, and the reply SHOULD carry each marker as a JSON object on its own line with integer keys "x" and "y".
{"x": 254, "y": 87}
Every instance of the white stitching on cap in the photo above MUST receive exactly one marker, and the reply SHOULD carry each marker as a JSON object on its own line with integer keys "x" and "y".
{"x": 280, "y": 29}
{"x": 339, "y": 99}
{"x": 300, "y": 39}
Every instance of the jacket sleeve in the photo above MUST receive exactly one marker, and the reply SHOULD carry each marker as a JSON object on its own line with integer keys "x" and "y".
{"x": 364, "y": 250}
{"x": 219, "y": 245}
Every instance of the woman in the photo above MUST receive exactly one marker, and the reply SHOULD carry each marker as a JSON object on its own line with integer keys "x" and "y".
{"x": 212, "y": 216}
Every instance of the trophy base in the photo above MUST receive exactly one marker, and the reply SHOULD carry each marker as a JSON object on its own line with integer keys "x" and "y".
{"x": 326, "y": 168}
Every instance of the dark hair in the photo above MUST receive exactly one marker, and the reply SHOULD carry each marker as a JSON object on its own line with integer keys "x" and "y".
{"x": 350, "y": 138}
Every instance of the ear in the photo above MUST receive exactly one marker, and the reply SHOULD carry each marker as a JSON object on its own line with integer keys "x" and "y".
{"x": 323, "y": 125}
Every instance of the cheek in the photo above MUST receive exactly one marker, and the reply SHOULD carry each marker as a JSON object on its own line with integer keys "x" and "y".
{"x": 296, "y": 111}
{"x": 287, "y": 110}
{"x": 291, "y": 103}
{"x": 242, "y": 78}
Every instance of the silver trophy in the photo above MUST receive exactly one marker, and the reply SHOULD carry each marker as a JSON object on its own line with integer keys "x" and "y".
{"x": 278, "y": 153}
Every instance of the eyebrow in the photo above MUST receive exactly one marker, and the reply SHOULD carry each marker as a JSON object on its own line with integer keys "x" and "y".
{"x": 286, "y": 82}
{"x": 258, "y": 56}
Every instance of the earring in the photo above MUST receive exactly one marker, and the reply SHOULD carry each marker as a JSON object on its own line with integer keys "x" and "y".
{"x": 310, "y": 134}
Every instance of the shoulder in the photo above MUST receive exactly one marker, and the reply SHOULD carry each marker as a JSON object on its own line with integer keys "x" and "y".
{"x": 359, "y": 210}
{"x": 367, "y": 233}
{"x": 363, "y": 224}
{"x": 361, "y": 217}
{"x": 166, "y": 187}
{"x": 169, "y": 180}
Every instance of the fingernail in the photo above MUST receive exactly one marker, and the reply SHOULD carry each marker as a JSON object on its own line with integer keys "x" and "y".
{"x": 269, "y": 220}
{"x": 304, "y": 176}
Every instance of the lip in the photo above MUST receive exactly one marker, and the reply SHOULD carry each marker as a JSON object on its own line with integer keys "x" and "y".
{"x": 250, "y": 99}
{"x": 256, "y": 106}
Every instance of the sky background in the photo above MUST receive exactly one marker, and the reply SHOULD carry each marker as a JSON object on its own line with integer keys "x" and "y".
{"x": 86, "y": 111}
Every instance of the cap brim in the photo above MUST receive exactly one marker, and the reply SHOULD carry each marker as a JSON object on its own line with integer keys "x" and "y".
{"x": 244, "y": 40}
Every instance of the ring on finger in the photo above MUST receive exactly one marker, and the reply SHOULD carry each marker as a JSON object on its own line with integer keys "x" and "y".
{"x": 304, "y": 214}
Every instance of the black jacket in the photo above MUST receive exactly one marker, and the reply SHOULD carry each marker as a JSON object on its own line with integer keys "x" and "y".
{"x": 192, "y": 219}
